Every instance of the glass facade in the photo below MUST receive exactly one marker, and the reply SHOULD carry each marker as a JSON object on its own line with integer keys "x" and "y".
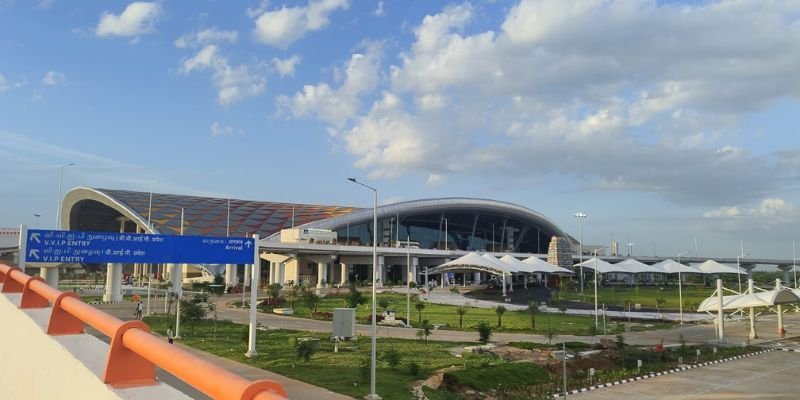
{"x": 454, "y": 231}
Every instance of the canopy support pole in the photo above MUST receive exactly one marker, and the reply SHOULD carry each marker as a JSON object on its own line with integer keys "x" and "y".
{"x": 781, "y": 332}
{"x": 753, "y": 334}
{"x": 720, "y": 313}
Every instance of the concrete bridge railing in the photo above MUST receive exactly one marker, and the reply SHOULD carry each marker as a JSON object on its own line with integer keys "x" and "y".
{"x": 134, "y": 353}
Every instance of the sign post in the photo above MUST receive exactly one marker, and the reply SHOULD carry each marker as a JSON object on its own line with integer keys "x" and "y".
{"x": 254, "y": 277}
{"x": 114, "y": 247}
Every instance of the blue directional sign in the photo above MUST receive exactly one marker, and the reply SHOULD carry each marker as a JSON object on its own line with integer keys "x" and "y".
{"x": 110, "y": 247}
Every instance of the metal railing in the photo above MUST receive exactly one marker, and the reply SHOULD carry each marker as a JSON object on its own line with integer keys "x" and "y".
{"x": 134, "y": 352}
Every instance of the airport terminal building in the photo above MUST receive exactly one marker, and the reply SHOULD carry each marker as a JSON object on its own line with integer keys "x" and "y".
{"x": 318, "y": 244}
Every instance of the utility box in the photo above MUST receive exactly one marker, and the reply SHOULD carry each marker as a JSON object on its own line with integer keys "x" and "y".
{"x": 344, "y": 322}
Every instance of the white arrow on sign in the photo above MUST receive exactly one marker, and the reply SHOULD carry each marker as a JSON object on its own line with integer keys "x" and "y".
{"x": 35, "y": 236}
{"x": 248, "y": 244}
{"x": 34, "y": 253}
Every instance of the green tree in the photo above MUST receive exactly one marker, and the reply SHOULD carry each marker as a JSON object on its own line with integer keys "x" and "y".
{"x": 419, "y": 306}
{"x": 383, "y": 303}
{"x": 273, "y": 292}
{"x": 354, "y": 297}
{"x": 500, "y": 310}
{"x": 425, "y": 330}
{"x": 621, "y": 347}
{"x": 593, "y": 331}
{"x": 484, "y": 332}
{"x": 194, "y": 309}
{"x": 532, "y": 310}
{"x": 461, "y": 310}
{"x": 294, "y": 295}
{"x": 311, "y": 300}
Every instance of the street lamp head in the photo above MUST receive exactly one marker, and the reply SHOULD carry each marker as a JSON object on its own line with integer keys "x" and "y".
{"x": 351, "y": 179}
{"x": 37, "y": 215}
{"x": 579, "y": 214}
{"x": 683, "y": 254}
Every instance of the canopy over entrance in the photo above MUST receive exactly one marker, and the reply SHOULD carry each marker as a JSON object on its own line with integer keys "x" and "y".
{"x": 713, "y": 267}
{"x": 602, "y": 266}
{"x": 674, "y": 267}
{"x": 540, "y": 265}
{"x": 760, "y": 299}
{"x": 637, "y": 267}
{"x": 473, "y": 262}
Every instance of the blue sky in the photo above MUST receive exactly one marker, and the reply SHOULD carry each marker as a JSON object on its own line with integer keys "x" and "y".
{"x": 668, "y": 119}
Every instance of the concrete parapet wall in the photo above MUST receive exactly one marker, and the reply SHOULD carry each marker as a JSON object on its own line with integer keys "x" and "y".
{"x": 34, "y": 365}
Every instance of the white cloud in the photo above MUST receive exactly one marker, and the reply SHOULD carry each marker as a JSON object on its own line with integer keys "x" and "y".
{"x": 218, "y": 129}
{"x": 138, "y": 18}
{"x": 53, "y": 78}
{"x": 285, "y": 67}
{"x": 337, "y": 106}
{"x": 3, "y": 83}
{"x": 206, "y": 37}
{"x": 379, "y": 12}
{"x": 769, "y": 208}
{"x": 233, "y": 82}
{"x": 283, "y": 26}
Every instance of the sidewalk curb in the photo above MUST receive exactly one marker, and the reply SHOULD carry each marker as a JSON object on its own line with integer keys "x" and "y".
{"x": 671, "y": 371}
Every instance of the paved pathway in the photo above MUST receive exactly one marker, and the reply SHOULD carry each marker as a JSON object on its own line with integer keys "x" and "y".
{"x": 766, "y": 376}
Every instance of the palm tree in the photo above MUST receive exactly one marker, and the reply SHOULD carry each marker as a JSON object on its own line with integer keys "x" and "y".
{"x": 500, "y": 310}
{"x": 419, "y": 306}
{"x": 425, "y": 330}
{"x": 461, "y": 310}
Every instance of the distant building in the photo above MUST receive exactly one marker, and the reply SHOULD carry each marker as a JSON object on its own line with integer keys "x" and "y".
{"x": 559, "y": 252}
{"x": 614, "y": 248}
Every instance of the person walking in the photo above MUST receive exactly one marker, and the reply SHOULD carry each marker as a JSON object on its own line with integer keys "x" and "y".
{"x": 170, "y": 335}
{"x": 139, "y": 309}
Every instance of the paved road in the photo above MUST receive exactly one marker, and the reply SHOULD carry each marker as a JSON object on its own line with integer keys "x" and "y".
{"x": 767, "y": 376}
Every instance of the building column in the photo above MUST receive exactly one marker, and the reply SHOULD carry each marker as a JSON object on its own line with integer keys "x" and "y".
{"x": 230, "y": 275}
{"x": 175, "y": 276}
{"x": 271, "y": 275}
{"x": 282, "y": 274}
{"x": 476, "y": 278}
{"x": 247, "y": 272}
{"x": 342, "y": 274}
{"x": 113, "y": 282}
{"x": 50, "y": 275}
{"x": 321, "y": 269}
{"x": 414, "y": 269}
{"x": 379, "y": 270}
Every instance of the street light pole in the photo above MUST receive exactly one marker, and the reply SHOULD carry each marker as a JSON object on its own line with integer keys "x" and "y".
{"x": 680, "y": 287}
{"x": 372, "y": 395}
{"x": 58, "y": 204}
{"x": 596, "y": 322}
{"x": 580, "y": 215}
{"x": 36, "y": 224}
{"x": 408, "y": 281}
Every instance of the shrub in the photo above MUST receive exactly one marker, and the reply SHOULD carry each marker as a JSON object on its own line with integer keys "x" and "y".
{"x": 484, "y": 332}
{"x": 392, "y": 358}
{"x": 305, "y": 350}
{"x": 414, "y": 369}
{"x": 354, "y": 297}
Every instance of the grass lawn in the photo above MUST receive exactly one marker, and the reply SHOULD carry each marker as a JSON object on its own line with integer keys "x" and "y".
{"x": 512, "y": 321}
{"x": 340, "y": 372}
{"x": 644, "y": 295}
